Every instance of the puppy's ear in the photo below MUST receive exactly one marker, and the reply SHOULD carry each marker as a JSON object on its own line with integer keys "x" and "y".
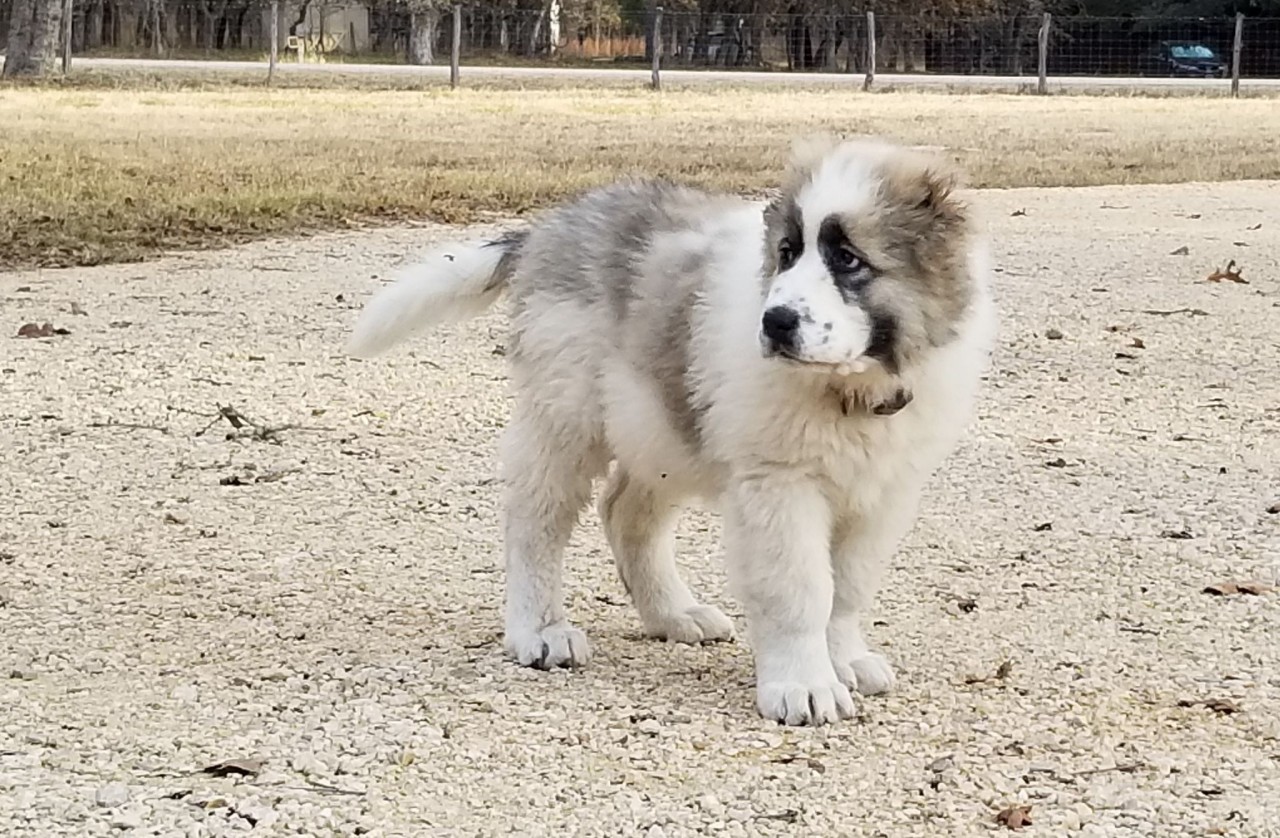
{"x": 940, "y": 181}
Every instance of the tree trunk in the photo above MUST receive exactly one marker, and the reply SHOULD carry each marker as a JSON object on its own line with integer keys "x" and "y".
{"x": 829, "y": 45}
{"x": 93, "y": 26}
{"x": 553, "y": 26}
{"x": 531, "y": 46}
{"x": 35, "y": 28}
{"x": 422, "y": 36}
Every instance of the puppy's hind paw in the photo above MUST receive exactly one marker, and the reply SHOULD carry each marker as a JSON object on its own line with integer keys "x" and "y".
{"x": 556, "y": 645}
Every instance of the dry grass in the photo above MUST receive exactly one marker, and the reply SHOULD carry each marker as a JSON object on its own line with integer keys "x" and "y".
{"x": 95, "y": 174}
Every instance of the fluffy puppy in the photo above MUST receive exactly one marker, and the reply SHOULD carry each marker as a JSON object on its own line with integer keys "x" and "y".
{"x": 806, "y": 369}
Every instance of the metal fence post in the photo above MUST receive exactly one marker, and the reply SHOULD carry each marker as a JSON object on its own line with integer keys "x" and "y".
{"x": 656, "y": 38}
{"x": 68, "y": 14}
{"x": 275, "y": 41}
{"x": 1042, "y": 87}
{"x": 1236, "y": 46}
{"x": 455, "y": 54}
{"x": 871, "y": 51}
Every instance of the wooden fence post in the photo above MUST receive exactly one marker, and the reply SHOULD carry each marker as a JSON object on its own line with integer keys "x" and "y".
{"x": 656, "y": 38}
{"x": 1236, "y": 46}
{"x": 68, "y": 14}
{"x": 871, "y": 51}
{"x": 275, "y": 41}
{"x": 1042, "y": 87}
{"x": 455, "y": 54}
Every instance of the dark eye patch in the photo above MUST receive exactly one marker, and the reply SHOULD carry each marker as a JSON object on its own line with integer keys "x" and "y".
{"x": 848, "y": 267}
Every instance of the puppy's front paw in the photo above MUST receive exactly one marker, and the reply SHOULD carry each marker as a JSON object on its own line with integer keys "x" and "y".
{"x": 699, "y": 624}
{"x": 869, "y": 674}
{"x": 559, "y": 644}
{"x": 801, "y": 703}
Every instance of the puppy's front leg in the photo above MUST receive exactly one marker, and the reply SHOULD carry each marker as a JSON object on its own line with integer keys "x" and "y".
{"x": 777, "y": 536}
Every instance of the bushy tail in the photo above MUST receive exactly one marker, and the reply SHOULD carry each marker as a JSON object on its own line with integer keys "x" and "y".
{"x": 452, "y": 282}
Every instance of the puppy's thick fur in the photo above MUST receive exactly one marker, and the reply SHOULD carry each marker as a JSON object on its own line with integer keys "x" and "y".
{"x": 807, "y": 367}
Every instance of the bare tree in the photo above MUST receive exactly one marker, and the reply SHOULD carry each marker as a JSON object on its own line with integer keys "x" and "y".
{"x": 424, "y": 28}
{"x": 35, "y": 27}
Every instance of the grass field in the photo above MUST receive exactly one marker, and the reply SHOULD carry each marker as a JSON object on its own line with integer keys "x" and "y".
{"x": 105, "y": 173}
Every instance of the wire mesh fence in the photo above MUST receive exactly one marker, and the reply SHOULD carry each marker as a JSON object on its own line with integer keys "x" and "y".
{"x": 596, "y": 34}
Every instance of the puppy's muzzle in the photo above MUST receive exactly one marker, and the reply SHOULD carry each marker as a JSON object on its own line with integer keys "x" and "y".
{"x": 781, "y": 329}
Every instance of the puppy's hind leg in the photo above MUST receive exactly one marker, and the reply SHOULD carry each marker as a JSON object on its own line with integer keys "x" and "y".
{"x": 640, "y": 525}
{"x": 547, "y": 483}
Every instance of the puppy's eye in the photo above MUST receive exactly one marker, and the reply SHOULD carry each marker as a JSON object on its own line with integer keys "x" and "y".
{"x": 786, "y": 254}
{"x": 846, "y": 258}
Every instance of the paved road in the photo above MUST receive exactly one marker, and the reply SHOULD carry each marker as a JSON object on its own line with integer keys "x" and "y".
{"x": 670, "y": 76}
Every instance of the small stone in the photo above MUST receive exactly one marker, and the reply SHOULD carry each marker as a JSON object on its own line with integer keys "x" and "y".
{"x": 650, "y": 727}
{"x": 130, "y": 818}
{"x": 710, "y": 804}
{"x": 112, "y": 795}
{"x": 1054, "y": 334}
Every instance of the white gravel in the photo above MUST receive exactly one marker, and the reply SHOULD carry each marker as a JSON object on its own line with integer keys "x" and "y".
{"x": 336, "y": 616}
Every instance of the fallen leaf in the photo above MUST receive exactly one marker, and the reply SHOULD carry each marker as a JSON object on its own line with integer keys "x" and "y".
{"x": 245, "y": 767}
{"x": 1137, "y": 343}
{"x": 170, "y": 518}
{"x": 1241, "y": 244}
{"x": 1230, "y": 274}
{"x": 1273, "y": 509}
{"x": 1053, "y": 334}
{"x": 1017, "y": 212}
{"x": 75, "y": 309}
{"x": 1224, "y": 706}
{"x": 1125, "y": 356}
{"x": 1177, "y": 534}
{"x": 1182, "y": 251}
{"x": 1045, "y": 527}
{"x": 233, "y": 480}
{"x": 1251, "y": 588}
{"x": 1257, "y": 226}
{"x": 23, "y": 289}
{"x": 40, "y": 330}
{"x": 1058, "y": 463}
{"x": 1002, "y": 671}
{"x": 1014, "y": 817}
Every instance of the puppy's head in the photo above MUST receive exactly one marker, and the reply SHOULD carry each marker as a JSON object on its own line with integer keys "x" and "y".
{"x": 866, "y": 259}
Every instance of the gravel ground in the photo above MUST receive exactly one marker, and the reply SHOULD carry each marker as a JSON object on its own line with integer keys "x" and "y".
{"x": 323, "y": 600}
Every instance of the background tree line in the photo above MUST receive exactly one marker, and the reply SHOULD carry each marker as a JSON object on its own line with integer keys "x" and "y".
{"x": 912, "y": 35}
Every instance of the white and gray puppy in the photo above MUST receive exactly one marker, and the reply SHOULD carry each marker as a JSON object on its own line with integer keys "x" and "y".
{"x": 807, "y": 368}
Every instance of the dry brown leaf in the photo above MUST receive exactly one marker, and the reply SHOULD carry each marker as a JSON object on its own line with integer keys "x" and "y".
{"x": 1014, "y": 817}
{"x": 245, "y": 767}
{"x": 1230, "y": 274}
{"x": 1137, "y": 343}
{"x": 1182, "y": 251}
{"x": 1018, "y": 212}
{"x": 40, "y": 330}
{"x": 1253, "y": 587}
{"x": 1273, "y": 509}
{"x": 75, "y": 309}
{"x": 1224, "y": 706}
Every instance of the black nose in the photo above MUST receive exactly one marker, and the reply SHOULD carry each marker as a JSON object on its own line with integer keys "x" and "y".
{"x": 780, "y": 325}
